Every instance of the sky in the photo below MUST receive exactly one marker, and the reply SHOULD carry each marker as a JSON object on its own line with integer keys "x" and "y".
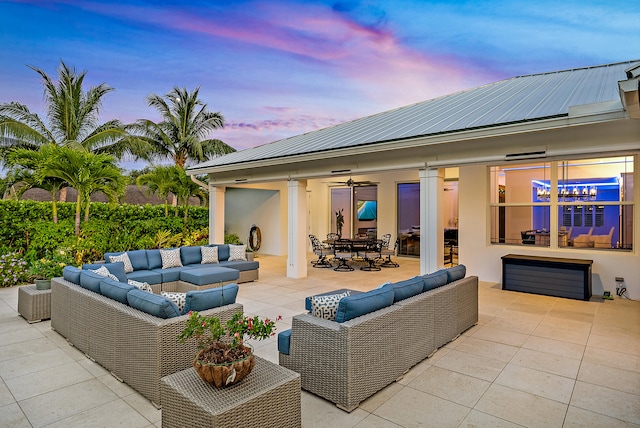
{"x": 276, "y": 69}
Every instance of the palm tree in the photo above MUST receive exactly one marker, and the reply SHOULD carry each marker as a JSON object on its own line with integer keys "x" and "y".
{"x": 27, "y": 171}
{"x": 87, "y": 173}
{"x": 182, "y": 134}
{"x": 72, "y": 114}
{"x": 184, "y": 188}
{"x": 158, "y": 181}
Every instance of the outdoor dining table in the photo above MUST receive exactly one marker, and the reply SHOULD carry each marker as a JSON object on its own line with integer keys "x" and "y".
{"x": 358, "y": 246}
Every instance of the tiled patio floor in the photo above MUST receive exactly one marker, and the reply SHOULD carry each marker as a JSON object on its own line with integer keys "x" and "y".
{"x": 532, "y": 361}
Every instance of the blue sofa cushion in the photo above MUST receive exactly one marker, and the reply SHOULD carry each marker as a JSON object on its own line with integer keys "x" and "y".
{"x": 155, "y": 259}
{"x": 455, "y": 273}
{"x": 284, "y": 341}
{"x": 90, "y": 280}
{"x": 207, "y": 274}
{"x": 223, "y": 251}
{"x": 190, "y": 255}
{"x": 407, "y": 288}
{"x": 115, "y": 290}
{"x": 152, "y": 304}
{"x": 116, "y": 269}
{"x": 71, "y": 274}
{"x": 138, "y": 259}
{"x": 169, "y": 274}
{"x": 435, "y": 280}
{"x": 240, "y": 265}
{"x": 145, "y": 276}
{"x": 200, "y": 300}
{"x": 363, "y": 303}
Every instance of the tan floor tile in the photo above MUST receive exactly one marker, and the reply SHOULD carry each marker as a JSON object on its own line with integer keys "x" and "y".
{"x": 33, "y": 363}
{"x": 577, "y": 336}
{"x": 500, "y": 336}
{"x": 30, "y": 347}
{"x": 373, "y": 421}
{"x": 452, "y": 386}
{"x": 477, "y": 419}
{"x": 416, "y": 371}
{"x": 11, "y": 416}
{"x": 555, "y": 347}
{"x": 521, "y": 407}
{"x": 611, "y": 377}
{"x": 143, "y": 406}
{"x": 320, "y": 413}
{"x": 606, "y": 357}
{"x": 380, "y": 397}
{"x": 5, "y": 395}
{"x": 536, "y": 382}
{"x": 570, "y": 316}
{"x": 111, "y": 414}
{"x": 488, "y": 349}
{"x": 409, "y": 406}
{"x": 522, "y": 316}
{"x": 606, "y": 401}
{"x": 580, "y": 418}
{"x": 471, "y": 365}
{"x": 63, "y": 403}
{"x": 57, "y": 377}
{"x": 626, "y": 343}
{"x": 515, "y": 325}
{"x": 549, "y": 363}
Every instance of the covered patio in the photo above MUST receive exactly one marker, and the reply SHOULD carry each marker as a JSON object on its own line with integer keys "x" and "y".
{"x": 531, "y": 361}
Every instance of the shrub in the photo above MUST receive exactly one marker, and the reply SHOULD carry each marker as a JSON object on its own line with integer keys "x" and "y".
{"x": 13, "y": 269}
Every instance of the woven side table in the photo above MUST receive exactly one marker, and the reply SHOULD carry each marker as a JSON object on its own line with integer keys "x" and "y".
{"x": 268, "y": 397}
{"x": 33, "y": 304}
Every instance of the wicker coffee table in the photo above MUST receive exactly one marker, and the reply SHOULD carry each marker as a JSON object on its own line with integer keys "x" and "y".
{"x": 33, "y": 304}
{"x": 268, "y": 397}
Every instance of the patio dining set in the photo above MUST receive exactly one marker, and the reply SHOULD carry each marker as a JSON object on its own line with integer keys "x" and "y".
{"x": 342, "y": 254}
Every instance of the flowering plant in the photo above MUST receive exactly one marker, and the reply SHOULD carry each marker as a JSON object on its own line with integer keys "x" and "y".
{"x": 208, "y": 330}
{"x": 13, "y": 269}
{"x": 50, "y": 266}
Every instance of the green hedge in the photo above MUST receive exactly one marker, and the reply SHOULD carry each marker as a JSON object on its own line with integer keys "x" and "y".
{"x": 27, "y": 227}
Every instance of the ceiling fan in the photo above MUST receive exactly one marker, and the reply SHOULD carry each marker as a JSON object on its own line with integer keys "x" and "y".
{"x": 352, "y": 183}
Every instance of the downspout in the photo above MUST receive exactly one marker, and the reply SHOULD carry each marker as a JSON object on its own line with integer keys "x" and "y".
{"x": 202, "y": 184}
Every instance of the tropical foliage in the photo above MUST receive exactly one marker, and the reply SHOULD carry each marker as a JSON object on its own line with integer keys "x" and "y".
{"x": 182, "y": 134}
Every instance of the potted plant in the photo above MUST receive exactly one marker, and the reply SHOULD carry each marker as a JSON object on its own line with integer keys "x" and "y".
{"x": 42, "y": 270}
{"x": 223, "y": 358}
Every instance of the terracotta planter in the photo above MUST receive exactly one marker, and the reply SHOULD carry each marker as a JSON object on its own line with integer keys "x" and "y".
{"x": 225, "y": 374}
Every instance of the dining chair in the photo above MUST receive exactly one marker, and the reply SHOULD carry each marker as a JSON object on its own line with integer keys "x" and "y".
{"x": 322, "y": 251}
{"x": 343, "y": 253}
{"x": 388, "y": 252}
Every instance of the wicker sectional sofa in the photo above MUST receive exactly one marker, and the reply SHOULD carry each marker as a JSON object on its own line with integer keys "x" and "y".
{"x": 191, "y": 274}
{"x": 136, "y": 347}
{"x": 347, "y": 362}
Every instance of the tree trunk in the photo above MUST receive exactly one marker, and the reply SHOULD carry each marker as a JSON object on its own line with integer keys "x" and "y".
{"x": 86, "y": 210}
{"x": 78, "y": 209}
{"x": 54, "y": 207}
{"x": 63, "y": 194}
{"x": 186, "y": 210}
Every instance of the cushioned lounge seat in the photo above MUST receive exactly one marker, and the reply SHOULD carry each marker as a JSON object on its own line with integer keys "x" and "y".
{"x": 210, "y": 275}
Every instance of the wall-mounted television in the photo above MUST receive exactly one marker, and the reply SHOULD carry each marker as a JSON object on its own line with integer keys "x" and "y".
{"x": 367, "y": 210}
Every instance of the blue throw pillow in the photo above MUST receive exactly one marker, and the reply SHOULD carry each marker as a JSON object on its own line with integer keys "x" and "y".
{"x": 138, "y": 259}
{"x": 435, "y": 280}
{"x": 71, "y": 274}
{"x": 153, "y": 304}
{"x": 455, "y": 273}
{"x": 200, "y": 300}
{"x": 116, "y": 269}
{"x": 354, "y": 306}
{"x": 115, "y": 290}
{"x": 90, "y": 280}
{"x": 190, "y": 255}
{"x": 407, "y": 288}
{"x": 154, "y": 258}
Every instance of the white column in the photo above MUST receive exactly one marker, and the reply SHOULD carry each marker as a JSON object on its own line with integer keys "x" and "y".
{"x": 216, "y": 214}
{"x": 431, "y": 220}
{"x": 297, "y": 227}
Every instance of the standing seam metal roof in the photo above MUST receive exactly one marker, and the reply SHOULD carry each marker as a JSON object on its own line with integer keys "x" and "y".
{"x": 523, "y": 98}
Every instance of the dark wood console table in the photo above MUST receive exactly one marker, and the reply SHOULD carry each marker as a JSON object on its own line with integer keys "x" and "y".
{"x": 551, "y": 276}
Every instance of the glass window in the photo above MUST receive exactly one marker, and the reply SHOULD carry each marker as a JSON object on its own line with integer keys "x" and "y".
{"x": 593, "y": 199}
{"x": 409, "y": 219}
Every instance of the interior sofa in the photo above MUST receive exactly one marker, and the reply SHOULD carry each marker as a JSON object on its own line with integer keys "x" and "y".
{"x": 377, "y": 336}
{"x": 188, "y": 271}
{"x": 130, "y": 332}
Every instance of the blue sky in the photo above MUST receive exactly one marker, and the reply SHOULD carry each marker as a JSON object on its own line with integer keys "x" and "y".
{"x": 280, "y": 68}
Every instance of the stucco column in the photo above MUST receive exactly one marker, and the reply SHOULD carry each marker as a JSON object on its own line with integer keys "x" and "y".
{"x": 296, "y": 230}
{"x": 216, "y": 214}
{"x": 431, "y": 220}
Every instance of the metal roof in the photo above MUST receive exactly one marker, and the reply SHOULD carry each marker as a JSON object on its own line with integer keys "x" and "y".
{"x": 518, "y": 99}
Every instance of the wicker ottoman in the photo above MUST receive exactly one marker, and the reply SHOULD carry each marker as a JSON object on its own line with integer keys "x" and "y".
{"x": 268, "y": 397}
{"x": 33, "y": 304}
